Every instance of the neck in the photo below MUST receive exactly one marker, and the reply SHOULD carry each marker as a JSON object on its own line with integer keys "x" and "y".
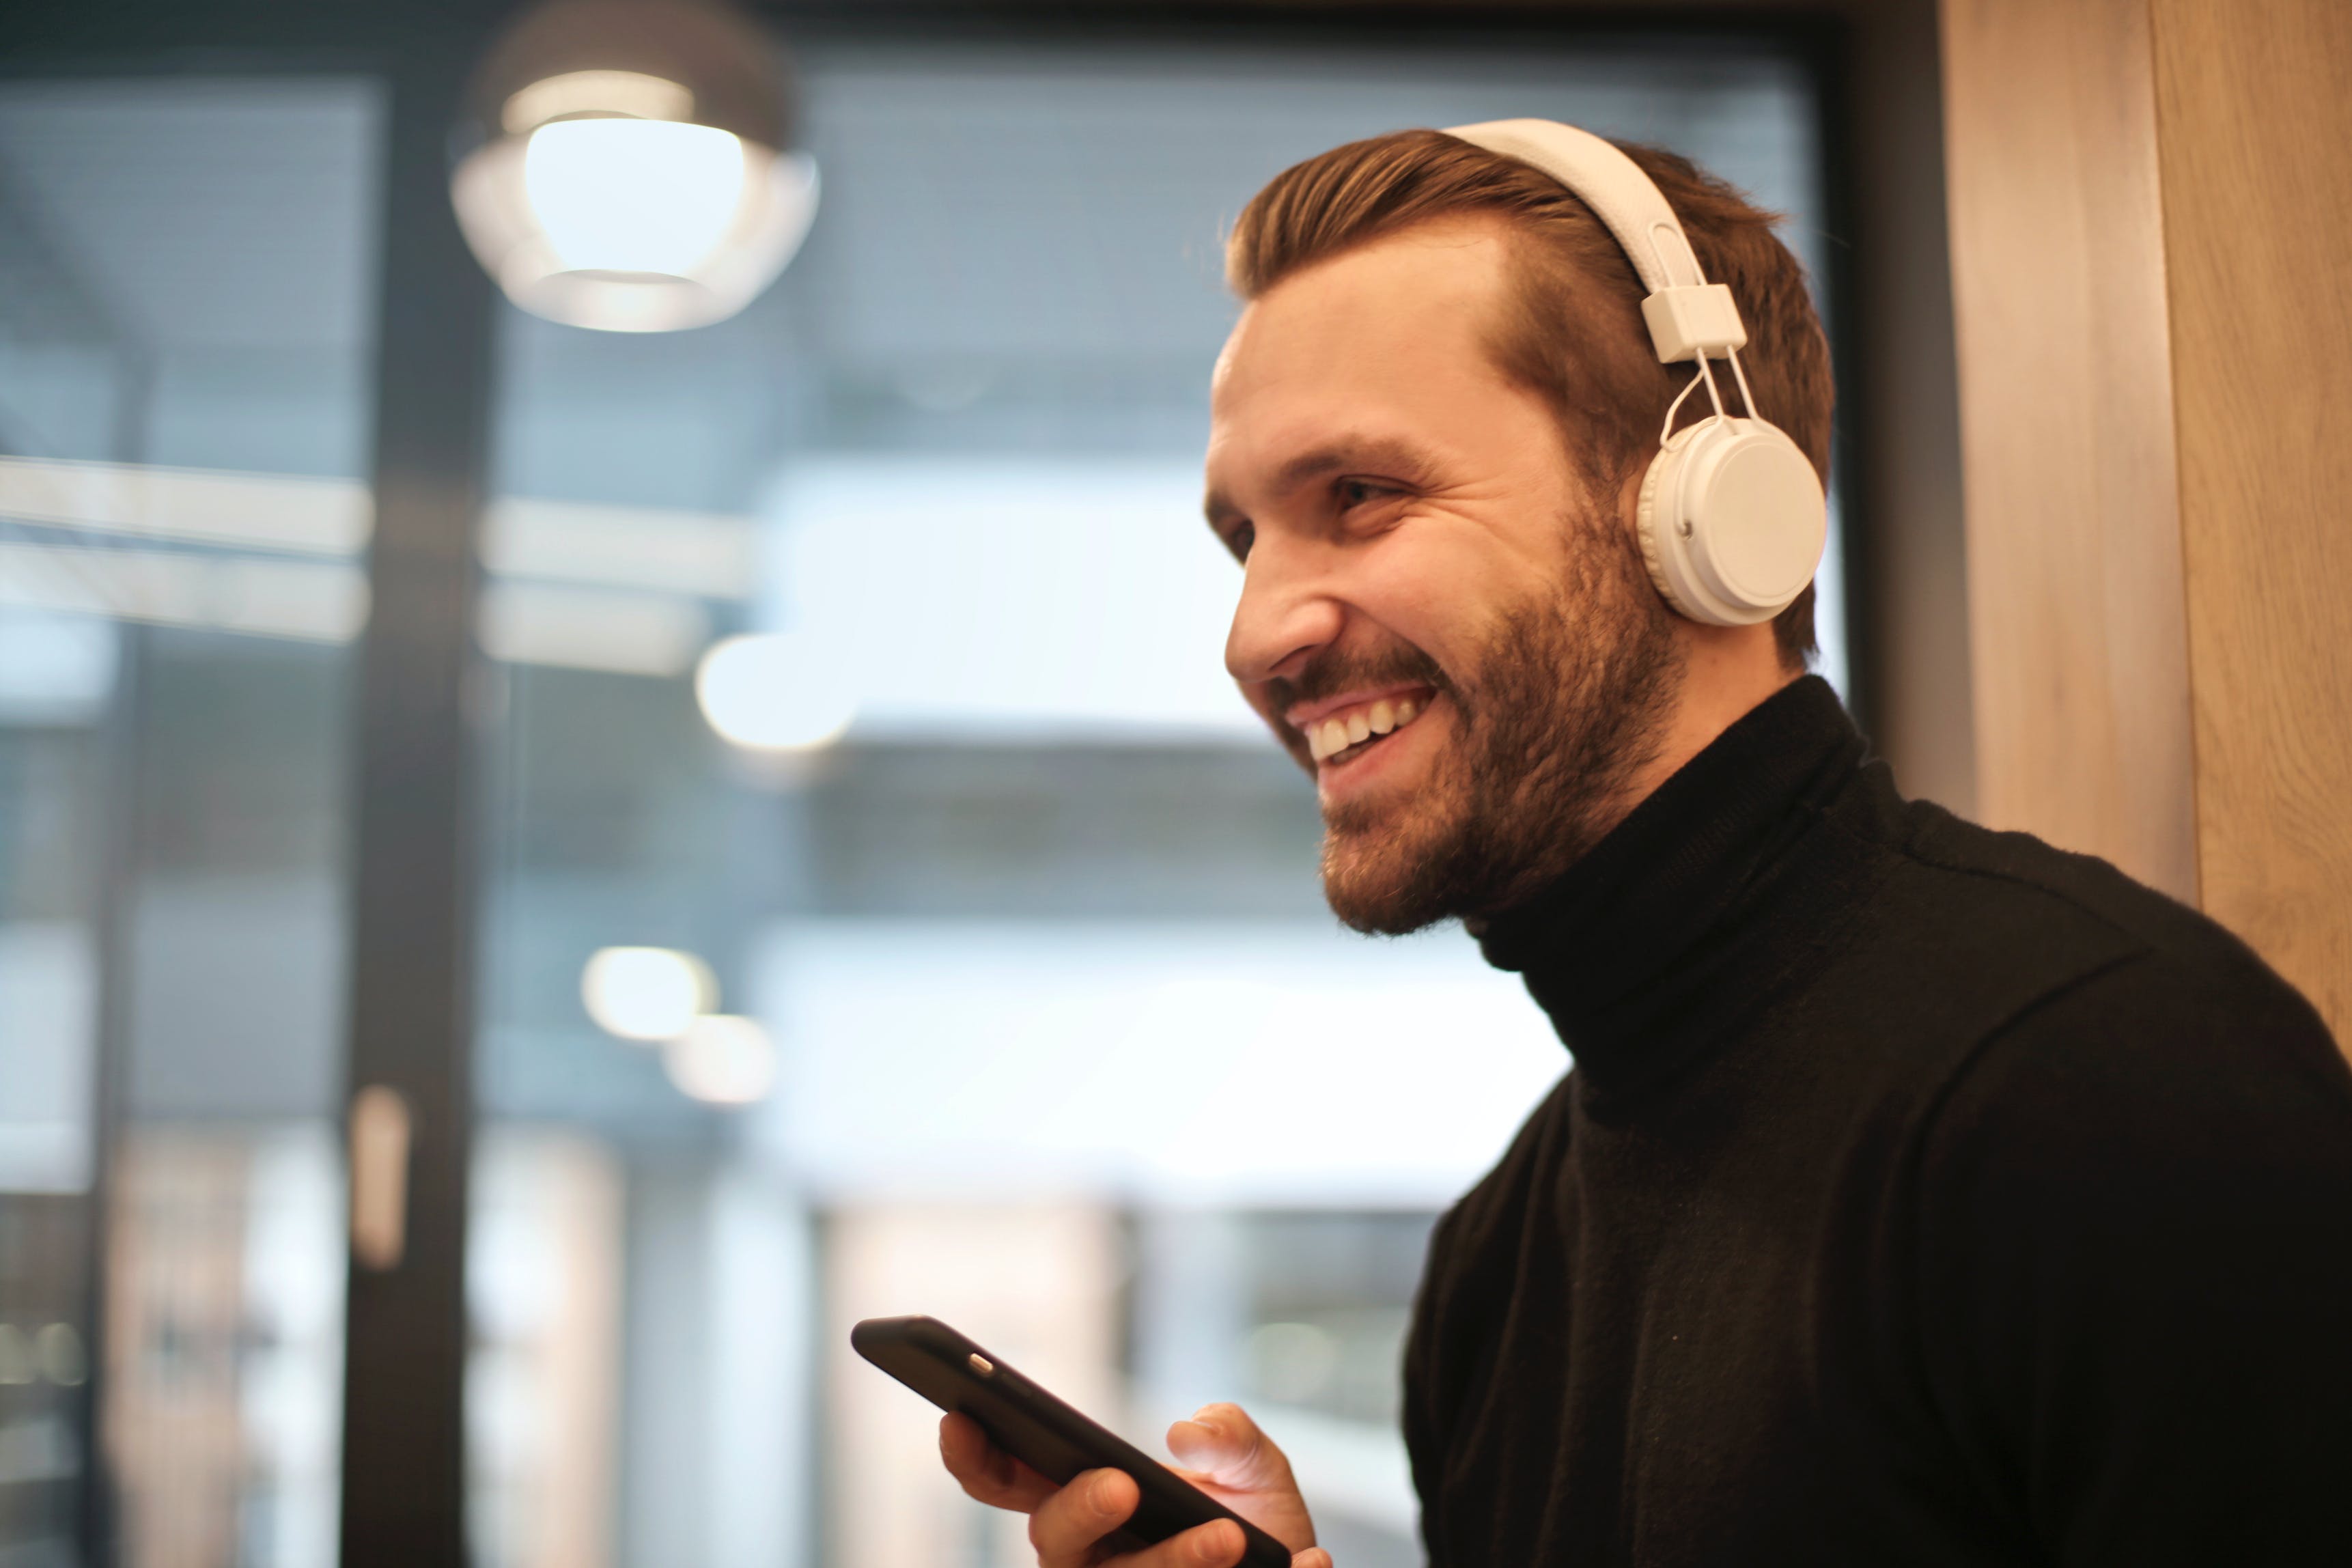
{"x": 1727, "y": 673}
{"x": 1636, "y": 942}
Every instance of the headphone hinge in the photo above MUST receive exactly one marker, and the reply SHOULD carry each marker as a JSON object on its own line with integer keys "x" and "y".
{"x": 1684, "y": 322}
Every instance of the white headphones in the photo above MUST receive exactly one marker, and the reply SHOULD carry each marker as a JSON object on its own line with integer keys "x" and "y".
{"x": 1732, "y": 517}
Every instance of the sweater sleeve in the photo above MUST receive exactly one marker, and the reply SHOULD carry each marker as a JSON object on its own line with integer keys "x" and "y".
{"x": 2133, "y": 1278}
{"x": 1467, "y": 1288}
{"x": 1425, "y": 1435}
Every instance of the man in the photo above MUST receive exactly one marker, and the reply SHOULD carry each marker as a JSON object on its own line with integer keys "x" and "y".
{"x": 1920, "y": 1194}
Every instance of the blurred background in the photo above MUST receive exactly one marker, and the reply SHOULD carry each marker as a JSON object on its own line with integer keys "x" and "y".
{"x": 725, "y": 830}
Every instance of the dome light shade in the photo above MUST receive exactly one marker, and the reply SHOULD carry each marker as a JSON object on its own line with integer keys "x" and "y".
{"x": 628, "y": 169}
{"x": 631, "y": 93}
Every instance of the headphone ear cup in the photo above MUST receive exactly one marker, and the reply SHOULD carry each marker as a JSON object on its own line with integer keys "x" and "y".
{"x": 1655, "y": 478}
{"x": 1732, "y": 521}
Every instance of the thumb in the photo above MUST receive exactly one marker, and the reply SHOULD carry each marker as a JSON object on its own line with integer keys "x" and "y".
{"x": 1223, "y": 1443}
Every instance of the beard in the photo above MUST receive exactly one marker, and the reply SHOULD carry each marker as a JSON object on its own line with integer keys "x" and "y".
{"x": 1565, "y": 701}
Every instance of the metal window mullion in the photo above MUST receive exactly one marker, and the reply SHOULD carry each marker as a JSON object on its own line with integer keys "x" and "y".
{"x": 413, "y": 886}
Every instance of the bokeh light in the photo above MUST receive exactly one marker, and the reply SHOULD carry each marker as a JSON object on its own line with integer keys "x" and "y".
{"x": 722, "y": 1059}
{"x": 773, "y": 692}
{"x": 646, "y": 993}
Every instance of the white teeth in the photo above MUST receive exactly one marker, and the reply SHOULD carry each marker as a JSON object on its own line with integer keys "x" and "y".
{"x": 1335, "y": 735}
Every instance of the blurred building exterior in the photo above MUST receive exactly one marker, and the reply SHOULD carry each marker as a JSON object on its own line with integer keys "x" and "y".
{"x": 1064, "y": 1047}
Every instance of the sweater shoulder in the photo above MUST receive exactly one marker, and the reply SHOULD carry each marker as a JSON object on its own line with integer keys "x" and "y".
{"x": 2025, "y": 873}
{"x": 2125, "y": 1258}
{"x": 2169, "y": 1059}
{"x": 2075, "y": 922}
{"x": 2161, "y": 1016}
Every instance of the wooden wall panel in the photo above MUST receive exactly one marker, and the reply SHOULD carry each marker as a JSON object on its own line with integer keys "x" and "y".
{"x": 2077, "y": 628}
{"x": 2151, "y": 217}
{"x": 2254, "y": 110}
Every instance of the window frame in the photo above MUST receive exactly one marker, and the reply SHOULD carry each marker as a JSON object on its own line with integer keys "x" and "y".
{"x": 418, "y": 745}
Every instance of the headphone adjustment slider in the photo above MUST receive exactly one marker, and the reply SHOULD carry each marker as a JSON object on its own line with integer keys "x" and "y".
{"x": 1697, "y": 317}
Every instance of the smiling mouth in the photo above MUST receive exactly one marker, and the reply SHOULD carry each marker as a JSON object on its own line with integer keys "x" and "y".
{"x": 1339, "y": 738}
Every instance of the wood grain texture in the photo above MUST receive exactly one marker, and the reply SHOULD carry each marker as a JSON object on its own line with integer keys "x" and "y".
{"x": 2078, "y": 625}
{"x": 2254, "y": 113}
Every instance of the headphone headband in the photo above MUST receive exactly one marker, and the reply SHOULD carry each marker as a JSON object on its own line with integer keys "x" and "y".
{"x": 1730, "y": 513}
{"x": 1687, "y": 314}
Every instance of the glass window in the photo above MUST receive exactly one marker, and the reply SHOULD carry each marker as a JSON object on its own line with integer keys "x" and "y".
{"x": 995, "y": 982}
{"x": 186, "y": 309}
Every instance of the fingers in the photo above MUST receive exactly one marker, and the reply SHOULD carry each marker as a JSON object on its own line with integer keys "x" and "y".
{"x": 1067, "y": 1526}
{"x": 986, "y": 1472}
{"x": 1223, "y": 1444}
{"x": 1219, "y": 1544}
{"x": 1067, "y": 1530}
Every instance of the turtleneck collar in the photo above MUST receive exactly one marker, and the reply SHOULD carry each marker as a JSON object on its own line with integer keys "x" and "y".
{"x": 1713, "y": 892}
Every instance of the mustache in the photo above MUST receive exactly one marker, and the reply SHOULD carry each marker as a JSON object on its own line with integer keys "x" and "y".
{"x": 1329, "y": 676}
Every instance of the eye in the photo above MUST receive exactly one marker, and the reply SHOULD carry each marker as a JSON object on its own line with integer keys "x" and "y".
{"x": 1239, "y": 538}
{"x": 1351, "y": 493}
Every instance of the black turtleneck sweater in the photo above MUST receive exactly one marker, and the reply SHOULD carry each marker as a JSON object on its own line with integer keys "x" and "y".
{"x": 1920, "y": 1195}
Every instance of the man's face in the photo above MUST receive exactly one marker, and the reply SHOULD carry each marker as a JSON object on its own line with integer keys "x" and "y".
{"x": 1438, "y": 618}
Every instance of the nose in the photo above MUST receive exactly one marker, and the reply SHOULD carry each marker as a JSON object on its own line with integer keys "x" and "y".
{"x": 1284, "y": 620}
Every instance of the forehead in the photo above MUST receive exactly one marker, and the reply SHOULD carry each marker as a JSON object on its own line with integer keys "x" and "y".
{"x": 1379, "y": 356}
{"x": 1428, "y": 293}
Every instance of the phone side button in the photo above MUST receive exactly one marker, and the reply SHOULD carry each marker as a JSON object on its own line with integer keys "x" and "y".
{"x": 981, "y": 1364}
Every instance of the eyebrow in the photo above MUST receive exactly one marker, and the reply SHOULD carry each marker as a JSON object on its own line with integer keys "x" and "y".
{"x": 1385, "y": 453}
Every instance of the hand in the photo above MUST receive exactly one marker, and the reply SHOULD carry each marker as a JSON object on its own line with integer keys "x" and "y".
{"x": 1231, "y": 1460}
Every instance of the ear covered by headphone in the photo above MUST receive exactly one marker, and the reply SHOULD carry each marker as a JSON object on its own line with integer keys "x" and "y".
{"x": 1731, "y": 514}
{"x": 1732, "y": 521}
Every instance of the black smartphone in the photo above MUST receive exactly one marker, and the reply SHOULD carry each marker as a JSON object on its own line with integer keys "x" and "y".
{"x": 1044, "y": 1433}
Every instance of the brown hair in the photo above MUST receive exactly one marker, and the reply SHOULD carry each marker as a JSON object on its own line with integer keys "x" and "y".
{"x": 1573, "y": 333}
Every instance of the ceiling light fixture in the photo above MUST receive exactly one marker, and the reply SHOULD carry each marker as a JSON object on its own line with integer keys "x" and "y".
{"x": 627, "y": 164}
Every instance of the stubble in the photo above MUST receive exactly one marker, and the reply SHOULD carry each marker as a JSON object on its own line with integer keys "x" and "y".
{"x": 1567, "y": 702}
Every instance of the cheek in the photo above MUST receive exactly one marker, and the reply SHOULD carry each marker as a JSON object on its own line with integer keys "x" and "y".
{"x": 1439, "y": 595}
